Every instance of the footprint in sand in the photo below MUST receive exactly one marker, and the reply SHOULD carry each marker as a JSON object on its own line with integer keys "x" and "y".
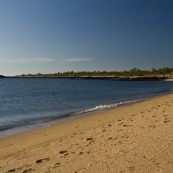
{"x": 152, "y": 126}
{"x": 109, "y": 138}
{"x": 119, "y": 130}
{"x": 119, "y": 142}
{"x": 11, "y": 170}
{"x": 63, "y": 151}
{"x": 154, "y": 116}
{"x": 166, "y": 120}
{"x": 28, "y": 170}
{"x": 120, "y": 123}
{"x": 56, "y": 165}
{"x": 89, "y": 139}
{"x": 80, "y": 153}
{"x": 133, "y": 115}
{"x": 42, "y": 160}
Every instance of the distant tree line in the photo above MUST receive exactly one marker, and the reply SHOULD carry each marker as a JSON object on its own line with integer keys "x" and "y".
{"x": 132, "y": 72}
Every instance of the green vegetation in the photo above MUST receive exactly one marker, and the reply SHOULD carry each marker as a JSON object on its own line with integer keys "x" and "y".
{"x": 132, "y": 72}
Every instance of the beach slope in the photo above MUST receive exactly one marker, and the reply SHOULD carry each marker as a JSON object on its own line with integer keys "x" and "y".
{"x": 136, "y": 138}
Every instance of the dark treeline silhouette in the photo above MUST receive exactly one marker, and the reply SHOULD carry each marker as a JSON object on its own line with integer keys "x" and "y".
{"x": 132, "y": 72}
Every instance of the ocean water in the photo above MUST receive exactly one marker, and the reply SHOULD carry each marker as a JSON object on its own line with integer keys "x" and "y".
{"x": 31, "y": 103}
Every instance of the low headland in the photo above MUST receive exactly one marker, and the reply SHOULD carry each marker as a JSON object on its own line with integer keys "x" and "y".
{"x": 161, "y": 74}
{"x": 135, "y": 138}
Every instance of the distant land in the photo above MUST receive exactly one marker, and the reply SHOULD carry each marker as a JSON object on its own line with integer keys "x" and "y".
{"x": 1, "y": 76}
{"x": 134, "y": 74}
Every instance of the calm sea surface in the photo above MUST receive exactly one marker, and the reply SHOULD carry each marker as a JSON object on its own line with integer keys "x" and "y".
{"x": 32, "y": 103}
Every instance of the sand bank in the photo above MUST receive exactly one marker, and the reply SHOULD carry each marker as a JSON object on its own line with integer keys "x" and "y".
{"x": 136, "y": 138}
{"x": 169, "y": 80}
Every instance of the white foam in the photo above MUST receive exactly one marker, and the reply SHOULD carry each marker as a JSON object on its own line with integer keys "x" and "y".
{"x": 104, "y": 107}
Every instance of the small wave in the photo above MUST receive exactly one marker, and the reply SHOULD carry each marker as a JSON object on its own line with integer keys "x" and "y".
{"x": 104, "y": 107}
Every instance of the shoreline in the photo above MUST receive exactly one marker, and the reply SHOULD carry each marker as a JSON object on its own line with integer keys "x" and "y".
{"x": 134, "y": 138}
{"x": 14, "y": 129}
{"x": 166, "y": 77}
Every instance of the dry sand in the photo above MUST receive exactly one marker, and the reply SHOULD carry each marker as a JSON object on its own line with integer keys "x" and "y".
{"x": 136, "y": 138}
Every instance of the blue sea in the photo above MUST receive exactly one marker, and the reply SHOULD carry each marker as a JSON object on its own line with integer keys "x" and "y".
{"x": 31, "y": 103}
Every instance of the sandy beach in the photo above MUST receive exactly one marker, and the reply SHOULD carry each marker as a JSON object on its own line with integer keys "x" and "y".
{"x": 130, "y": 139}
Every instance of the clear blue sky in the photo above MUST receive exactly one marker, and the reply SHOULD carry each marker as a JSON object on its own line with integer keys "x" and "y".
{"x": 48, "y": 36}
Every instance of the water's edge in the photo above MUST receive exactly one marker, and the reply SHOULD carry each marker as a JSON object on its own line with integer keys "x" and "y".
{"x": 13, "y": 129}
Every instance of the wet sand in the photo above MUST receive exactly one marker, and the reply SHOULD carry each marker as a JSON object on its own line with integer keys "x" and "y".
{"x": 131, "y": 139}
